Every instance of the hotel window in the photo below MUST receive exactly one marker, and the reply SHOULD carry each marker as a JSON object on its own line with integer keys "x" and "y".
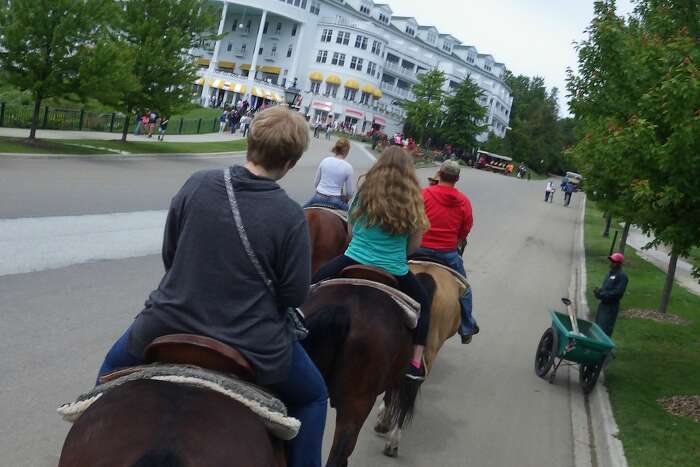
{"x": 294, "y": 30}
{"x": 248, "y": 25}
{"x": 273, "y": 52}
{"x": 383, "y": 18}
{"x": 322, "y": 56}
{"x": 350, "y": 94}
{"x": 234, "y": 26}
{"x": 365, "y": 97}
{"x": 243, "y": 49}
{"x": 315, "y": 87}
{"x": 338, "y": 59}
{"x": 229, "y": 47}
{"x": 356, "y": 64}
{"x": 343, "y": 38}
{"x": 278, "y": 29}
{"x": 376, "y": 47}
{"x": 487, "y": 67}
{"x": 371, "y": 68}
{"x": 364, "y": 9}
{"x": 331, "y": 90}
{"x": 326, "y": 35}
{"x": 260, "y": 50}
{"x": 410, "y": 31}
{"x": 315, "y": 8}
{"x": 289, "y": 51}
{"x": 361, "y": 42}
{"x": 267, "y": 25}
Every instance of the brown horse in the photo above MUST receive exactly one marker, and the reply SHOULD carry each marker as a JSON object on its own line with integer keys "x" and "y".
{"x": 149, "y": 423}
{"x": 359, "y": 341}
{"x": 444, "y": 323}
{"x": 329, "y": 236}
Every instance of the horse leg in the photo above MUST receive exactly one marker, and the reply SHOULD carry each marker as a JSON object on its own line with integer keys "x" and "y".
{"x": 383, "y": 424}
{"x": 350, "y": 416}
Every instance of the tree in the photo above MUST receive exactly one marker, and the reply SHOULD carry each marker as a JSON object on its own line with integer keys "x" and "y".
{"x": 424, "y": 114}
{"x": 464, "y": 116}
{"x": 637, "y": 99}
{"x": 54, "y": 48}
{"x": 159, "y": 35}
{"x": 537, "y": 136}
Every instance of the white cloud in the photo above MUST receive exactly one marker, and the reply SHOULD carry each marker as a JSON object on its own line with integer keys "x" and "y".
{"x": 532, "y": 37}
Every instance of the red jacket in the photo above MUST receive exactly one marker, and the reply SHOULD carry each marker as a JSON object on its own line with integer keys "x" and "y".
{"x": 450, "y": 215}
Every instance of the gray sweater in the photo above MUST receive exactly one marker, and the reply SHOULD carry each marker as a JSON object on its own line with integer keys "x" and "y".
{"x": 210, "y": 286}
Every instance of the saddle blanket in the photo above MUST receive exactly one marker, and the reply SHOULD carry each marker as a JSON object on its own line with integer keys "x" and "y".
{"x": 272, "y": 412}
{"x": 458, "y": 277}
{"x": 410, "y": 307}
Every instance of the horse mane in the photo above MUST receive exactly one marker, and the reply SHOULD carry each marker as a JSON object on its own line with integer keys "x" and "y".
{"x": 328, "y": 328}
{"x": 402, "y": 400}
{"x": 159, "y": 458}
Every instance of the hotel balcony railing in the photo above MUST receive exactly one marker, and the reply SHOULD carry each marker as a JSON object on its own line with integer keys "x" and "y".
{"x": 400, "y": 70}
{"x": 397, "y": 91}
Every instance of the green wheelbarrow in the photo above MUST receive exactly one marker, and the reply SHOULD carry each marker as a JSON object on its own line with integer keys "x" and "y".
{"x": 577, "y": 342}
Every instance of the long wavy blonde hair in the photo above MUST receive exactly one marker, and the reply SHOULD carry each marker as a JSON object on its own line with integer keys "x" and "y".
{"x": 390, "y": 197}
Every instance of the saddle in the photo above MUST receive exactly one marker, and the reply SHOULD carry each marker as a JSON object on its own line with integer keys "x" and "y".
{"x": 343, "y": 215}
{"x": 368, "y": 276}
{"x": 430, "y": 260}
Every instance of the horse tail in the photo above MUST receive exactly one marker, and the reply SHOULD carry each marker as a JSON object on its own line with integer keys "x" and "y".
{"x": 159, "y": 458}
{"x": 402, "y": 398}
{"x": 329, "y": 327}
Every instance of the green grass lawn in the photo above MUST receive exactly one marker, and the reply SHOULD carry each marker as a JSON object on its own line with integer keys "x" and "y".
{"x": 20, "y": 145}
{"x": 654, "y": 360}
{"x": 198, "y": 112}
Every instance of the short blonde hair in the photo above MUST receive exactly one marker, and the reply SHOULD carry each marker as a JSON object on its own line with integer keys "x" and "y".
{"x": 341, "y": 147}
{"x": 277, "y": 136}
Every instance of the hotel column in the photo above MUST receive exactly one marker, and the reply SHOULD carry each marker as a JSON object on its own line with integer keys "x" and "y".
{"x": 215, "y": 57}
{"x": 254, "y": 63}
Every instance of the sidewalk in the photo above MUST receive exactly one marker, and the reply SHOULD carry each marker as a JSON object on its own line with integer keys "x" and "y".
{"x": 103, "y": 135}
{"x": 659, "y": 256}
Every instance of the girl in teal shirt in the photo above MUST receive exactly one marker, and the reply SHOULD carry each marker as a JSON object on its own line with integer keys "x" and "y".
{"x": 387, "y": 218}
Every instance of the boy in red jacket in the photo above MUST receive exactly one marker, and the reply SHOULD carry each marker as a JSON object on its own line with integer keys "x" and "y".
{"x": 451, "y": 220}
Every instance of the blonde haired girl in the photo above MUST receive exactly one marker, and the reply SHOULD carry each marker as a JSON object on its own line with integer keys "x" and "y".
{"x": 388, "y": 220}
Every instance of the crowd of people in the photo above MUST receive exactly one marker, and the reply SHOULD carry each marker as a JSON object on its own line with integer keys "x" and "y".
{"x": 147, "y": 121}
{"x": 568, "y": 187}
{"x": 233, "y": 118}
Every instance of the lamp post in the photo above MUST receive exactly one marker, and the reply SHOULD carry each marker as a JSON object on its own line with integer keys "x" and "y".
{"x": 291, "y": 94}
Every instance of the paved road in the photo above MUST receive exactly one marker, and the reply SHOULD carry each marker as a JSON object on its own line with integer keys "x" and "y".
{"x": 483, "y": 405}
{"x": 105, "y": 135}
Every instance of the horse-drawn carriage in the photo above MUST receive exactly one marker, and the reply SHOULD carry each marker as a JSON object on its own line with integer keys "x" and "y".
{"x": 491, "y": 161}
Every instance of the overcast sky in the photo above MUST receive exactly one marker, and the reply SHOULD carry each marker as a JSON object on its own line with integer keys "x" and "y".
{"x": 532, "y": 37}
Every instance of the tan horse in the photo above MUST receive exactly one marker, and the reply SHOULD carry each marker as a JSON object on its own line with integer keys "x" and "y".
{"x": 444, "y": 323}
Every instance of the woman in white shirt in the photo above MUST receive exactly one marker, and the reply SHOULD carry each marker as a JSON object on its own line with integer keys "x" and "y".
{"x": 335, "y": 183}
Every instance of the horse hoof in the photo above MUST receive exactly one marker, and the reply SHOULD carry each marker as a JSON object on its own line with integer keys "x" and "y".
{"x": 391, "y": 451}
{"x": 381, "y": 429}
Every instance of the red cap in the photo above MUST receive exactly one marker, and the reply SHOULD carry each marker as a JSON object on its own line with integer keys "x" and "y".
{"x": 618, "y": 258}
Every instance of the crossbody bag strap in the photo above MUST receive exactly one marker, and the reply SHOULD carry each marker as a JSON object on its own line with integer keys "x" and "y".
{"x": 233, "y": 203}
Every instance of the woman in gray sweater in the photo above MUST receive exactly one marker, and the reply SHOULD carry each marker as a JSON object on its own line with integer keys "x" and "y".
{"x": 212, "y": 288}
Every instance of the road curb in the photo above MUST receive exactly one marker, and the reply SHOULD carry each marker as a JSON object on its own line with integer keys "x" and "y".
{"x": 201, "y": 155}
{"x": 595, "y": 439}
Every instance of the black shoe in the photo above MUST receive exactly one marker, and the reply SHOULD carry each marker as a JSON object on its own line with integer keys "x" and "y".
{"x": 467, "y": 338}
{"x": 417, "y": 374}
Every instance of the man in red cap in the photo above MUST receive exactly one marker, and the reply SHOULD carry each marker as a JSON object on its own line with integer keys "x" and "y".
{"x": 610, "y": 294}
{"x": 450, "y": 215}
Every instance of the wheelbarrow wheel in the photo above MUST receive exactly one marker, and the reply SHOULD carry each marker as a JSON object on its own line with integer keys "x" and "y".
{"x": 588, "y": 376}
{"x": 544, "y": 357}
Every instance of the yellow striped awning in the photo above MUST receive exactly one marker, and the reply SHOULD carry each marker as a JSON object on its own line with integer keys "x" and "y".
{"x": 333, "y": 79}
{"x": 245, "y": 66}
{"x": 369, "y": 89}
{"x": 273, "y": 70}
{"x": 377, "y": 93}
{"x": 236, "y": 87}
{"x": 225, "y": 65}
{"x": 217, "y": 83}
{"x": 199, "y": 81}
{"x": 202, "y": 61}
{"x": 277, "y": 98}
{"x": 352, "y": 84}
{"x": 315, "y": 76}
{"x": 267, "y": 94}
{"x": 257, "y": 92}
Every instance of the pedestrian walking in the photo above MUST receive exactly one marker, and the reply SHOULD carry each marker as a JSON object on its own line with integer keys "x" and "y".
{"x": 222, "y": 121}
{"x": 549, "y": 192}
{"x": 152, "y": 119}
{"x": 317, "y": 128}
{"x": 569, "y": 189}
{"x": 163, "y": 128}
{"x": 245, "y": 123}
{"x": 233, "y": 118}
{"x": 610, "y": 294}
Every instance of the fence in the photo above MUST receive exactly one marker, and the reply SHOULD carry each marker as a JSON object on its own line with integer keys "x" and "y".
{"x": 19, "y": 116}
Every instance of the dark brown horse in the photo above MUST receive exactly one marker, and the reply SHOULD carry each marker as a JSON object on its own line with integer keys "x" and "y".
{"x": 360, "y": 342}
{"x": 162, "y": 424}
{"x": 329, "y": 236}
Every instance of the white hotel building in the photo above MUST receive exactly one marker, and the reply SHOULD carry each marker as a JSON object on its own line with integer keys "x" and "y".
{"x": 351, "y": 58}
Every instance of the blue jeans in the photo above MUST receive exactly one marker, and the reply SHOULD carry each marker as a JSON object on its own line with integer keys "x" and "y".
{"x": 454, "y": 260}
{"x": 327, "y": 200}
{"x": 304, "y": 393}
